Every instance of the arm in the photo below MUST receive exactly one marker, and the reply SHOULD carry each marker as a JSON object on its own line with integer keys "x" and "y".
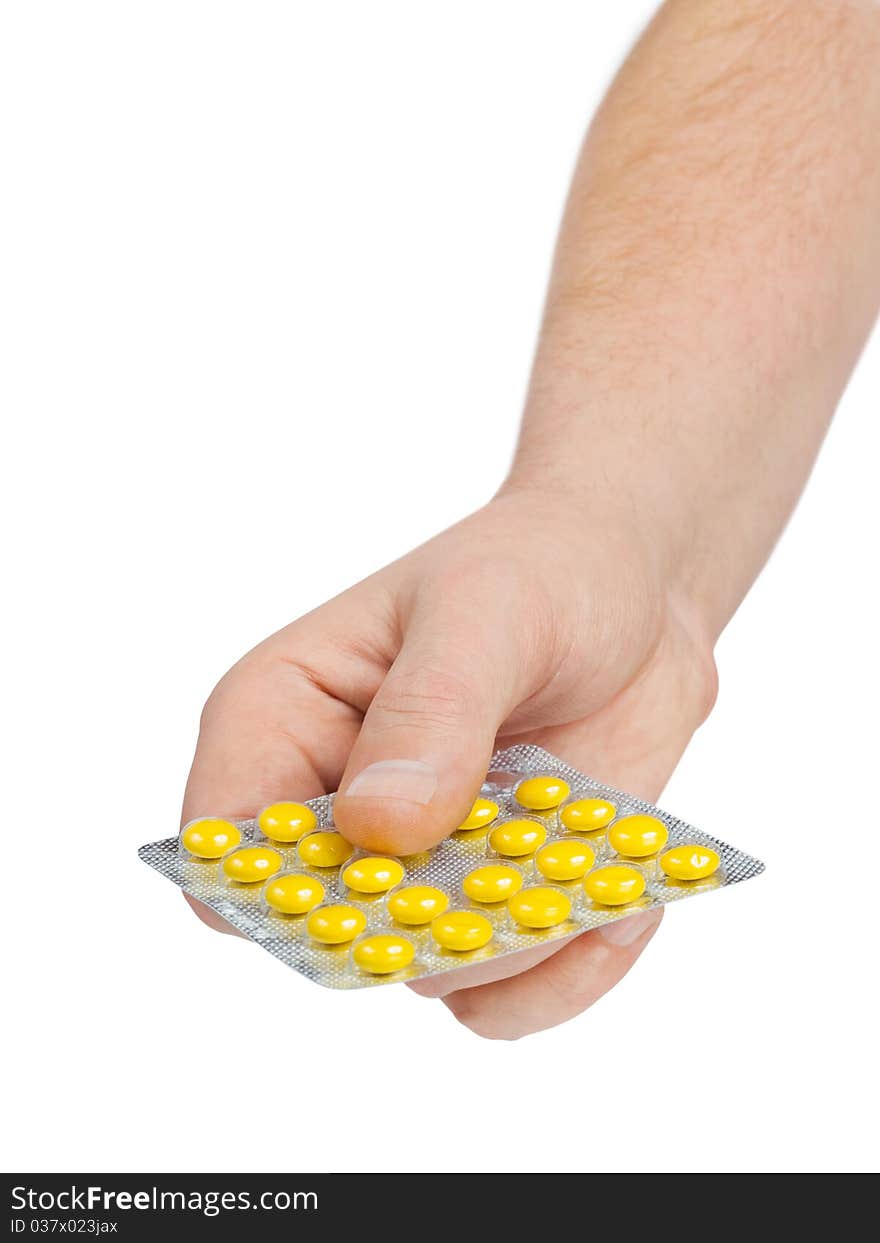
{"x": 717, "y": 273}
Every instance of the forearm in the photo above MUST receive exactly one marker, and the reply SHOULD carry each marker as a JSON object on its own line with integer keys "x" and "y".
{"x": 717, "y": 273}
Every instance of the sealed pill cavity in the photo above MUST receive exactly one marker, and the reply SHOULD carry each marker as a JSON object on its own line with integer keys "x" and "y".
{"x": 210, "y": 838}
{"x": 483, "y": 812}
{"x": 252, "y": 863}
{"x": 286, "y": 822}
{"x": 542, "y": 793}
{"x": 636, "y": 837}
{"x": 417, "y": 904}
{"x": 373, "y": 874}
{"x": 293, "y": 894}
{"x": 494, "y": 882}
{"x": 382, "y": 953}
{"x": 585, "y": 815}
{"x": 614, "y": 885}
{"x": 496, "y": 886}
{"x": 690, "y": 862}
{"x": 569, "y": 859}
{"x": 336, "y": 924}
{"x": 461, "y": 930}
{"x": 324, "y": 850}
{"x": 540, "y": 907}
{"x": 514, "y": 838}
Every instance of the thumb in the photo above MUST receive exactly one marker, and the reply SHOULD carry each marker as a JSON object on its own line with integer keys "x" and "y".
{"x": 429, "y": 733}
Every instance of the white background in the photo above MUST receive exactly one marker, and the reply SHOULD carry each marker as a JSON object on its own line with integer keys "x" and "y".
{"x": 271, "y": 276}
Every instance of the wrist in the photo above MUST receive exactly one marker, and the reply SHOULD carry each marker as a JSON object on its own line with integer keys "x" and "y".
{"x": 651, "y": 517}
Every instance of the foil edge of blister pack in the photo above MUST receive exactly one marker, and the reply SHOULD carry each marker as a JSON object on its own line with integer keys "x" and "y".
{"x": 445, "y": 867}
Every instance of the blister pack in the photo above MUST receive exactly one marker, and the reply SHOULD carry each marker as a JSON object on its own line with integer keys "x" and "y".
{"x": 545, "y": 852}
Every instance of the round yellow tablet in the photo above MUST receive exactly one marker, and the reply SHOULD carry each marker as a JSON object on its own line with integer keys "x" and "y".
{"x": 461, "y": 930}
{"x": 209, "y": 838}
{"x": 334, "y": 925}
{"x": 417, "y": 904}
{"x": 540, "y": 907}
{"x": 638, "y": 836}
{"x": 483, "y": 812}
{"x": 252, "y": 863}
{"x": 324, "y": 850}
{"x": 614, "y": 885}
{"x": 287, "y": 822}
{"x": 566, "y": 860}
{"x": 542, "y": 793}
{"x": 293, "y": 894}
{"x": 373, "y": 875}
{"x": 586, "y": 814}
{"x": 517, "y": 837}
{"x": 494, "y": 882}
{"x": 383, "y": 953}
{"x": 690, "y": 862}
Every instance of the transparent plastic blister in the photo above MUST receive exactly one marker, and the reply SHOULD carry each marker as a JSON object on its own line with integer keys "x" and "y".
{"x": 346, "y": 918}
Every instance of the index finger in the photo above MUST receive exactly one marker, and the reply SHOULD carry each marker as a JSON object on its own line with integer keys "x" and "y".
{"x": 252, "y": 749}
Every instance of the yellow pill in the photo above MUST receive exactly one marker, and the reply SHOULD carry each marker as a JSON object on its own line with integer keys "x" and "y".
{"x": 382, "y": 954}
{"x": 492, "y": 883}
{"x": 587, "y": 814}
{"x": 542, "y": 793}
{"x": 566, "y": 860}
{"x": 209, "y": 839}
{"x": 252, "y": 863}
{"x": 461, "y": 930}
{"x": 293, "y": 894}
{"x": 286, "y": 822}
{"x": 373, "y": 875}
{"x": 324, "y": 850}
{"x": 417, "y": 904}
{"x": 638, "y": 836}
{"x": 334, "y": 925}
{"x": 482, "y": 813}
{"x": 614, "y": 885}
{"x": 690, "y": 862}
{"x": 517, "y": 837}
{"x": 540, "y": 907}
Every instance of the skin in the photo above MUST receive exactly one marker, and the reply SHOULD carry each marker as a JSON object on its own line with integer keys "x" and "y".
{"x": 717, "y": 274}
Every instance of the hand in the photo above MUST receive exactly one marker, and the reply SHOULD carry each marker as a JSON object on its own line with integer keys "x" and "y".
{"x": 690, "y": 390}
{"x": 530, "y": 621}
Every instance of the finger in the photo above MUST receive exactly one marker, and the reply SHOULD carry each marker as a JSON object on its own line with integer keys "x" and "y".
{"x": 485, "y": 972}
{"x": 267, "y": 732}
{"x": 249, "y": 754}
{"x": 427, "y": 737}
{"x": 210, "y": 917}
{"x": 563, "y": 986}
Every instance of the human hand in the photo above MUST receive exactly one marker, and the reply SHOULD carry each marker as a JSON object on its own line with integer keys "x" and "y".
{"x": 700, "y": 325}
{"x": 533, "y": 620}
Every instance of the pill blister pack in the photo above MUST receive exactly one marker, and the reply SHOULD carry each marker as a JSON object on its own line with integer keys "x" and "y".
{"x": 546, "y": 852}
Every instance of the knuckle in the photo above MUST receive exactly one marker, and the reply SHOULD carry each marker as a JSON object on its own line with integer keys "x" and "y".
{"x": 422, "y": 698}
{"x": 213, "y": 707}
{"x": 698, "y": 685}
{"x": 707, "y": 690}
{"x": 245, "y": 689}
{"x": 697, "y": 674}
{"x": 221, "y": 703}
